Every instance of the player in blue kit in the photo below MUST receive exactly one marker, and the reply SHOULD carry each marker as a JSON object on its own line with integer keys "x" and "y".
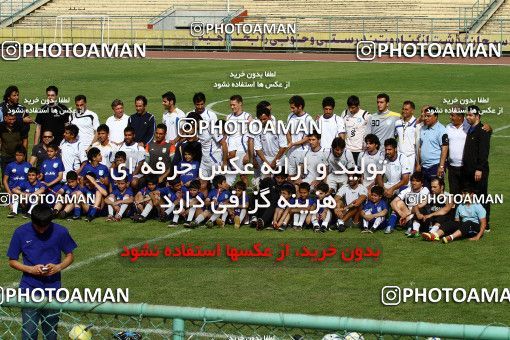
{"x": 94, "y": 165}
{"x": 119, "y": 201}
{"x": 26, "y": 191}
{"x": 374, "y": 211}
{"x": 218, "y": 195}
{"x": 70, "y": 192}
{"x": 15, "y": 172}
{"x": 52, "y": 169}
{"x": 93, "y": 195}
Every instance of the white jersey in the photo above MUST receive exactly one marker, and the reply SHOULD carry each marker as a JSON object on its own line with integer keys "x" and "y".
{"x": 456, "y": 141}
{"x": 299, "y": 127}
{"x": 87, "y": 123}
{"x": 107, "y": 153}
{"x": 355, "y": 129}
{"x": 394, "y": 170}
{"x": 269, "y": 142}
{"x": 412, "y": 198}
{"x": 350, "y": 194}
{"x": 313, "y": 159}
{"x": 330, "y": 128}
{"x": 171, "y": 120}
{"x": 238, "y": 141}
{"x": 73, "y": 154}
{"x": 205, "y": 136}
{"x": 134, "y": 155}
{"x": 365, "y": 159}
{"x": 346, "y": 159}
{"x": 117, "y": 126}
{"x": 406, "y": 134}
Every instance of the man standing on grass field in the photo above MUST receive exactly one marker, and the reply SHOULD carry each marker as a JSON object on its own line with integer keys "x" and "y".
{"x": 41, "y": 243}
{"x": 382, "y": 123}
{"x": 142, "y": 122}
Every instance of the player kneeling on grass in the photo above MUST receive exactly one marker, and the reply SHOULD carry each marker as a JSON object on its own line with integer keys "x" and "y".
{"x": 436, "y": 212}
{"x": 71, "y": 192}
{"x": 349, "y": 200}
{"x": 28, "y": 191}
{"x": 238, "y": 213}
{"x": 374, "y": 210}
{"x": 321, "y": 219}
{"x": 470, "y": 221}
{"x": 279, "y": 220}
{"x": 92, "y": 191}
{"x": 143, "y": 200}
{"x": 403, "y": 204}
{"x": 218, "y": 195}
{"x": 193, "y": 203}
{"x": 119, "y": 200}
{"x": 168, "y": 199}
{"x": 299, "y": 215}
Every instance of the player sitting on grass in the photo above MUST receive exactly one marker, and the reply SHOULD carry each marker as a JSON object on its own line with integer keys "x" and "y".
{"x": 470, "y": 221}
{"x": 374, "y": 210}
{"x": 15, "y": 172}
{"x": 238, "y": 213}
{"x": 299, "y": 214}
{"x": 188, "y": 162}
{"x": 119, "y": 170}
{"x": 71, "y": 192}
{"x": 167, "y": 199}
{"x": 94, "y": 165}
{"x": 218, "y": 195}
{"x": 52, "y": 169}
{"x": 194, "y": 200}
{"x": 436, "y": 212}
{"x": 403, "y": 204}
{"x": 94, "y": 193}
{"x": 286, "y": 193}
{"x": 321, "y": 219}
{"x": 143, "y": 200}
{"x": 25, "y": 190}
{"x": 349, "y": 200}
{"x": 119, "y": 200}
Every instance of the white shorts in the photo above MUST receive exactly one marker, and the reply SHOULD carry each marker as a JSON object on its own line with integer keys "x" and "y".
{"x": 296, "y": 158}
{"x": 335, "y": 181}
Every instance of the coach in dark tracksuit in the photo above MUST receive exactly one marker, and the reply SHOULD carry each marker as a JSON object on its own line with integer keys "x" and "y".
{"x": 475, "y": 160}
{"x": 142, "y": 121}
{"x": 271, "y": 187}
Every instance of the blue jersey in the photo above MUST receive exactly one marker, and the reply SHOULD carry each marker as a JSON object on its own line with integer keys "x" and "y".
{"x": 167, "y": 191}
{"x": 37, "y": 249}
{"x": 101, "y": 171}
{"x": 374, "y": 208}
{"x": 68, "y": 190}
{"x": 473, "y": 212}
{"x": 27, "y": 187}
{"x": 90, "y": 192}
{"x": 120, "y": 195}
{"x": 311, "y": 201}
{"x": 17, "y": 172}
{"x": 191, "y": 174}
{"x": 51, "y": 167}
{"x": 220, "y": 195}
{"x": 146, "y": 191}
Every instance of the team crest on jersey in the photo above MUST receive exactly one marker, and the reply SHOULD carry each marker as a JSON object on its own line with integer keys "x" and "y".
{"x": 26, "y": 170}
{"x": 164, "y": 150}
{"x": 55, "y": 165}
{"x": 101, "y": 172}
{"x": 358, "y": 120}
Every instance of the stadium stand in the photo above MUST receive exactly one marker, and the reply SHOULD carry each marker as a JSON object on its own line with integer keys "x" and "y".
{"x": 305, "y": 13}
{"x": 499, "y": 23}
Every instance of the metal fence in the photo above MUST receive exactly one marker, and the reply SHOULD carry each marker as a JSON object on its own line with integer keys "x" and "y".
{"x": 104, "y": 321}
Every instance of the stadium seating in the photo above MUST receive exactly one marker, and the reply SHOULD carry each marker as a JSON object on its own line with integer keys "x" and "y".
{"x": 345, "y": 15}
{"x": 499, "y": 23}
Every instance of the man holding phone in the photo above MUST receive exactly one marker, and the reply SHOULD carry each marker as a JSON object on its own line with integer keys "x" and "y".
{"x": 41, "y": 243}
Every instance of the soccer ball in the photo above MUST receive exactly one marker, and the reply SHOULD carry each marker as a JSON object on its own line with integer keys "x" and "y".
{"x": 353, "y": 336}
{"x": 331, "y": 336}
{"x": 80, "y": 332}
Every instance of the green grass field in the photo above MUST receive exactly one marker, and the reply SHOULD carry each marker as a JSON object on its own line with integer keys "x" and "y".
{"x": 344, "y": 291}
